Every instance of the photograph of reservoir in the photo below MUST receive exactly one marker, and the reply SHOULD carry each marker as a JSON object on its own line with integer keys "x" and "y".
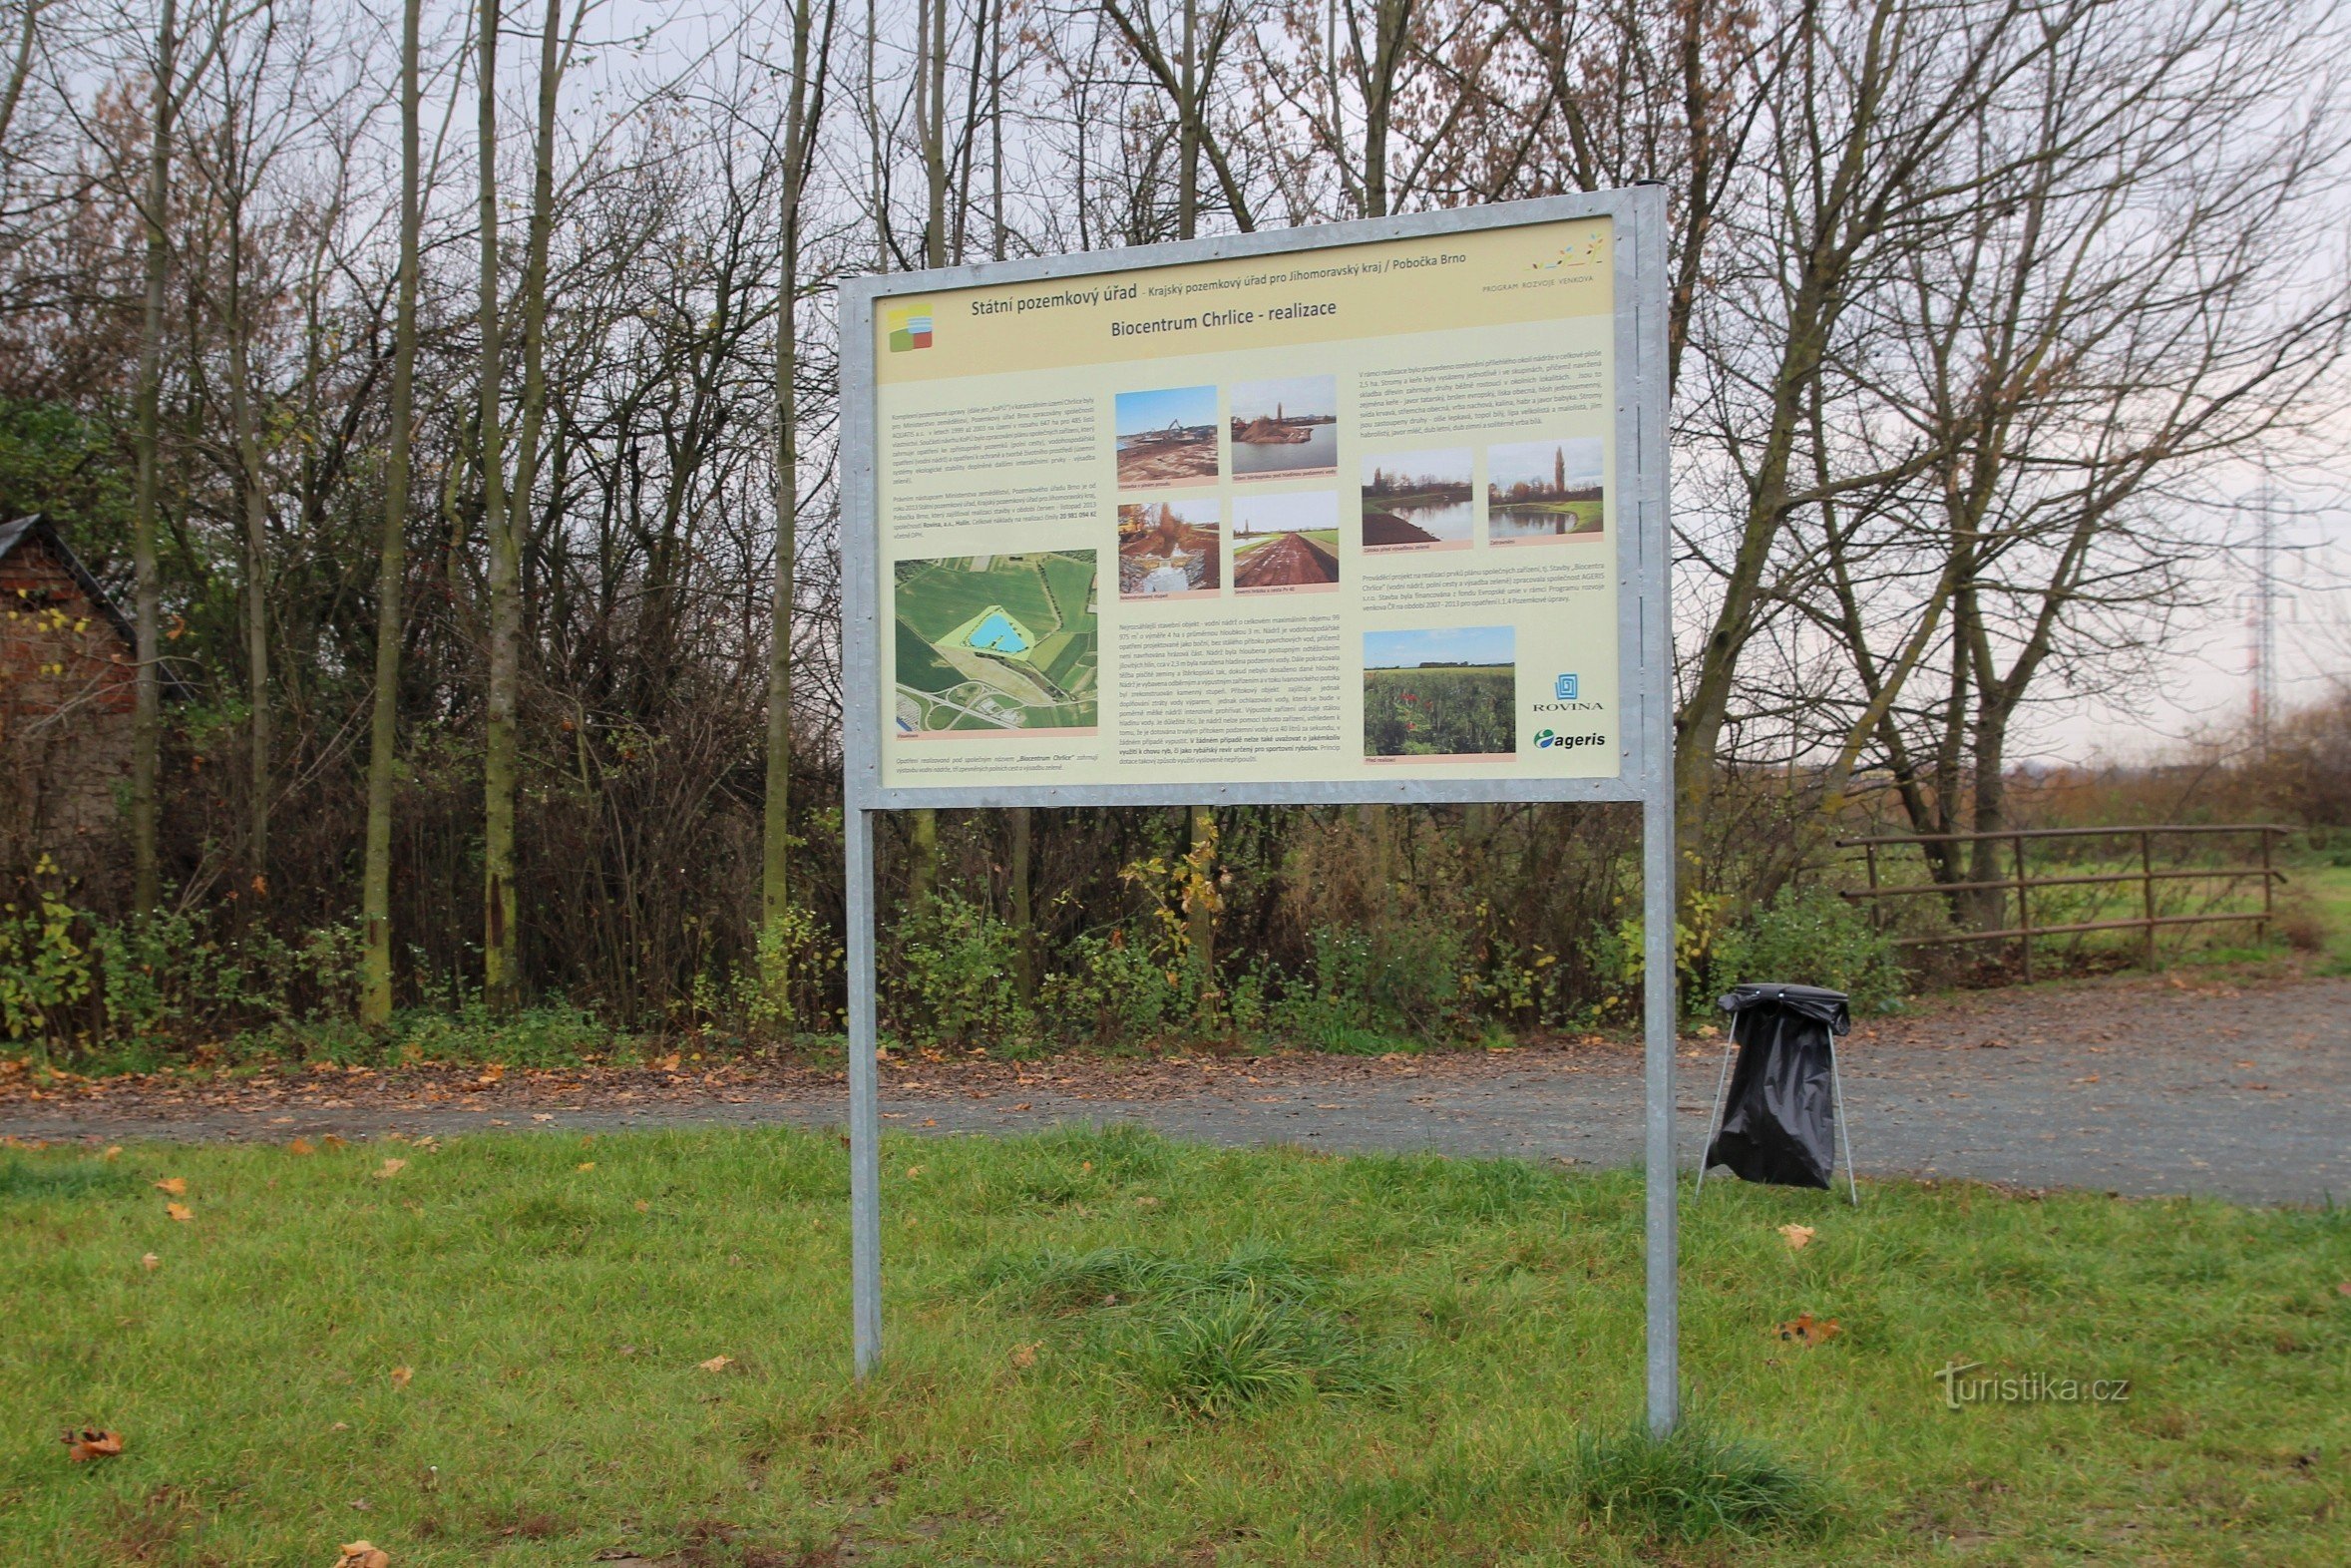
{"x": 1166, "y": 438}
{"x": 1418, "y": 501}
{"x": 1445, "y": 693}
{"x": 990, "y": 643}
{"x": 1169, "y": 549}
{"x": 1286, "y": 543}
{"x": 1539, "y": 491}
{"x": 1286, "y": 429}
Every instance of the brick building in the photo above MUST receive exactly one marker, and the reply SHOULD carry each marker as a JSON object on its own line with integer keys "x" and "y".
{"x": 68, "y": 662}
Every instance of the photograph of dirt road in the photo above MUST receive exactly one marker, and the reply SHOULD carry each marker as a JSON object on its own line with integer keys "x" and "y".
{"x": 1166, "y": 438}
{"x": 1418, "y": 501}
{"x": 1286, "y": 429}
{"x": 1445, "y": 693}
{"x": 1539, "y": 491}
{"x": 1169, "y": 549}
{"x": 1286, "y": 543}
{"x": 989, "y": 644}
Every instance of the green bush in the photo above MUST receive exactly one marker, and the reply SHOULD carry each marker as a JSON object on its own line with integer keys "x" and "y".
{"x": 956, "y": 978}
{"x": 1115, "y": 989}
{"x": 1812, "y": 937}
{"x": 1380, "y": 981}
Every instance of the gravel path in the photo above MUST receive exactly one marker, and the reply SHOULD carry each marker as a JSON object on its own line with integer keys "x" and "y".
{"x": 2132, "y": 1085}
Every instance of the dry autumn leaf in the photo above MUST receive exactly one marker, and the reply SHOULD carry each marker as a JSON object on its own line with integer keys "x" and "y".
{"x": 179, "y": 1211}
{"x": 1024, "y": 1355}
{"x": 177, "y": 1186}
{"x": 300, "y": 1146}
{"x": 150, "y": 1261}
{"x": 114, "y": 1152}
{"x": 586, "y": 1165}
{"x": 2344, "y": 1289}
{"x": 400, "y": 1377}
{"x": 1804, "y": 1329}
{"x": 363, "y": 1554}
{"x": 644, "y": 1207}
{"x": 391, "y": 1168}
{"x": 717, "y": 1363}
{"x": 330, "y": 1141}
{"x": 91, "y": 1443}
{"x": 912, "y": 1171}
{"x": 1797, "y": 1237}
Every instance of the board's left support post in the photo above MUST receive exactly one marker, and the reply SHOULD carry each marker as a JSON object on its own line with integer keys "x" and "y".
{"x": 865, "y": 1096}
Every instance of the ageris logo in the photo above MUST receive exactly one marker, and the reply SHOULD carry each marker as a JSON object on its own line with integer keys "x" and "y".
{"x": 1552, "y": 740}
{"x": 910, "y": 328}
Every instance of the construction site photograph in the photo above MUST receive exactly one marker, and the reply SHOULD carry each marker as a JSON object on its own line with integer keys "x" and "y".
{"x": 1166, "y": 438}
{"x": 1287, "y": 429}
{"x": 991, "y": 643}
{"x": 1170, "y": 550}
{"x": 1539, "y": 491}
{"x": 1452, "y": 692}
{"x": 1286, "y": 543}
{"x": 1418, "y": 501}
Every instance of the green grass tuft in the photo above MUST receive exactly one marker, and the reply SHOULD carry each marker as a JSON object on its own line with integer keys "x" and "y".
{"x": 1239, "y": 1351}
{"x": 1694, "y": 1483}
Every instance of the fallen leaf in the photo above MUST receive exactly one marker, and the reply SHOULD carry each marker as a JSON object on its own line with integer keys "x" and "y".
{"x": 300, "y": 1146}
{"x": 1024, "y": 1355}
{"x": 1797, "y": 1237}
{"x": 400, "y": 1377}
{"x": 1804, "y": 1329}
{"x": 929, "y": 1121}
{"x": 179, "y": 1211}
{"x": 330, "y": 1141}
{"x": 150, "y": 1261}
{"x": 644, "y": 1207}
{"x": 586, "y": 1165}
{"x": 114, "y": 1152}
{"x": 717, "y": 1363}
{"x": 543, "y": 1115}
{"x": 177, "y": 1186}
{"x": 912, "y": 1171}
{"x": 2344, "y": 1289}
{"x": 1023, "y": 1105}
{"x": 91, "y": 1443}
{"x": 363, "y": 1554}
{"x": 391, "y": 1168}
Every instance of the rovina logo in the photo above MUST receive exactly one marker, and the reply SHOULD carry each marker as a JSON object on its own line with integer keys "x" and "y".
{"x": 910, "y": 328}
{"x": 1564, "y": 689}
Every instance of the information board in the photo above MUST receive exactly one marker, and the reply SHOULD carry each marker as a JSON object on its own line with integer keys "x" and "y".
{"x": 1344, "y": 513}
{"x": 1364, "y": 512}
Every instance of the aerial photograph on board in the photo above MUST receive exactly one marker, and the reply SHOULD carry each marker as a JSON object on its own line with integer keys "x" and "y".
{"x": 1539, "y": 491}
{"x": 996, "y": 642}
{"x": 1452, "y": 692}
{"x": 1169, "y": 549}
{"x": 1418, "y": 501}
{"x": 1286, "y": 543}
{"x": 1166, "y": 438}
{"x": 1287, "y": 429}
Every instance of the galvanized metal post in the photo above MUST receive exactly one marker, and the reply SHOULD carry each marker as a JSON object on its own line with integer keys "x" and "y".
{"x": 865, "y": 1097}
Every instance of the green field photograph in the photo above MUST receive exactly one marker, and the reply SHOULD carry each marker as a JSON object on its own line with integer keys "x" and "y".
{"x": 1451, "y": 693}
{"x": 1538, "y": 491}
{"x": 996, "y": 642}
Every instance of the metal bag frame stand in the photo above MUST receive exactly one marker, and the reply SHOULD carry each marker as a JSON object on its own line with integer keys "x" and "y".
{"x": 1645, "y": 682}
{"x": 1836, "y": 1102}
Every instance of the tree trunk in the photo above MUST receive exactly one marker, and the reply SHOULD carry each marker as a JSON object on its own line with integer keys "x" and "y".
{"x": 500, "y": 979}
{"x": 806, "y": 105}
{"x": 147, "y": 718}
{"x": 930, "y": 123}
{"x": 252, "y": 481}
{"x": 375, "y": 890}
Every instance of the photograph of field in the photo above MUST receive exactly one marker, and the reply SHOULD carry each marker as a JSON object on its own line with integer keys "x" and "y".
{"x": 1166, "y": 438}
{"x": 1539, "y": 491}
{"x": 988, "y": 644}
{"x": 1169, "y": 549}
{"x": 1287, "y": 429}
{"x": 1445, "y": 693}
{"x": 1286, "y": 543}
{"x": 1418, "y": 501}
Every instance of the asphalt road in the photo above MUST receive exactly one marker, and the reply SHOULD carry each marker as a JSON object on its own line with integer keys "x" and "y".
{"x": 2133, "y": 1086}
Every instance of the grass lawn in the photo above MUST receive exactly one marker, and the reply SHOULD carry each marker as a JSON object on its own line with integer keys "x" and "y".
{"x": 1117, "y": 1349}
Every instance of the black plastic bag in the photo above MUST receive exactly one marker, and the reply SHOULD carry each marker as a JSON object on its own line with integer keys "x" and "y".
{"x": 1779, "y": 1116}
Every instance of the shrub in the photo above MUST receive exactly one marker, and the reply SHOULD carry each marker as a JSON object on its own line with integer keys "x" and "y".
{"x": 956, "y": 976}
{"x": 1385, "y": 978}
{"x": 1813, "y": 938}
{"x": 1116, "y": 989}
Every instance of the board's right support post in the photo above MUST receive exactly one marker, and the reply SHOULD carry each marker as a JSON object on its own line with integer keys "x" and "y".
{"x": 865, "y": 1094}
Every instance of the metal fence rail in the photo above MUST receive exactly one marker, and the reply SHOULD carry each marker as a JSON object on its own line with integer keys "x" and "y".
{"x": 2147, "y": 877}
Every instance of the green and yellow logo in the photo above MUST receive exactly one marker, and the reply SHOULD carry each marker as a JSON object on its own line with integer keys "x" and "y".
{"x": 910, "y": 328}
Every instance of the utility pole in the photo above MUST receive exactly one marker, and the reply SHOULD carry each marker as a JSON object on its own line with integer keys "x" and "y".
{"x": 2261, "y": 620}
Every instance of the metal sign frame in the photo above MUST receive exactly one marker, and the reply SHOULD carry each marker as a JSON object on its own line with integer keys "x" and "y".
{"x": 1642, "y": 539}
